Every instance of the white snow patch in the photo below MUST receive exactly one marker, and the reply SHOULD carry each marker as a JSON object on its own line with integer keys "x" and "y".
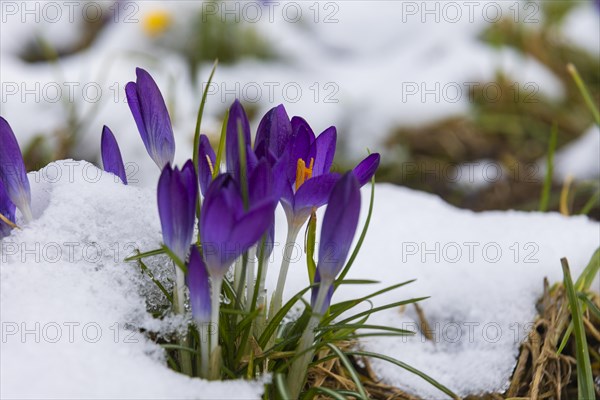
{"x": 483, "y": 271}
{"x": 71, "y": 309}
{"x": 581, "y": 158}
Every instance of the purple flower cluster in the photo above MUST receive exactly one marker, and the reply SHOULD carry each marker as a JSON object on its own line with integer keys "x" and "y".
{"x": 287, "y": 164}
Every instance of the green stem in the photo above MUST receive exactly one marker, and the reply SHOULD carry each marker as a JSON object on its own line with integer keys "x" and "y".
{"x": 297, "y": 373}
{"x": 215, "y": 302}
{"x": 250, "y": 277}
{"x": 277, "y": 298}
{"x": 204, "y": 349}
{"x": 179, "y": 308}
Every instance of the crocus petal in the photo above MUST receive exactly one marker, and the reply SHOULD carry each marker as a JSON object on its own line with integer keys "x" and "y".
{"x": 151, "y": 117}
{"x": 365, "y": 170}
{"x": 199, "y": 287}
{"x": 111, "y": 155}
{"x": 7, "y": 209}
{"x": 260, "y": 183}
{"x": 324, "y": 150}
{"x": 188, "y": 175}
{"x": 177, "y": 191}
{"x": 299, "y": 146}
{"x": 12, "y": 171}
{"x": 206, "y": 163}
{"x": 273, "y": 133}
{"x": 339, "y": 226}
{"x": 237, "y": 116}
{"x": 216, "y": 222}
{"x": 249, "y": 229}
{"x": 314, "y": 193}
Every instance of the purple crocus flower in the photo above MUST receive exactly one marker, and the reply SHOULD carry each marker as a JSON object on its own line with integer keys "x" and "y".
{"x": 365, "y": 170}
{"x": 111, "y": 155}
{"x": 151, "y": 117}
{"x": 206, "y": 163}
{"x": 199, "y": 287}
{"x": 338, "y": 229}
{"x": 7, "y": 209}
{"x": 309, "y": 179}
{"x": 273, "y": 134}
{"x": 227, "y": 230}
{"x": 237, "y": 119}
{"x": 12, "y": 171}
{"x": 177, "y": 195}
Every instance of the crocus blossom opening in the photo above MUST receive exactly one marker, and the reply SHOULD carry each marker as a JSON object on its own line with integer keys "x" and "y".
{"x": 177, "y": 194}
{"x": 111, "y": 155}
{"x": 12, "y": 171}
{"x": 226, "y": 228}
{"x": 151, "y": 117}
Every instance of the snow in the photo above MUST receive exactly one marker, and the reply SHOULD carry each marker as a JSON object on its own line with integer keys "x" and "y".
{"x": 483, "y": 271}
{"x": 356, "y": 67}
{"x": 71, "y": 308}
{"x": 85, "y": 224}
{"x": 581, "y": 158}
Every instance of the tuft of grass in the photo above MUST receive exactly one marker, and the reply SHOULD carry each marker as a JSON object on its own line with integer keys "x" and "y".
{"x": 585, "y": 380}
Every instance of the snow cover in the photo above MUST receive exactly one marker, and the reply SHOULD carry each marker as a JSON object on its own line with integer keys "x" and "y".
{"x": 85, "y": 224}
{"x": 362, "y": 60}
{"x": 70, "y": 307}
{"x": 581, "y": 158}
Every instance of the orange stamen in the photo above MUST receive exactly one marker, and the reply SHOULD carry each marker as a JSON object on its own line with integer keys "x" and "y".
{"x": 302, "y": 172}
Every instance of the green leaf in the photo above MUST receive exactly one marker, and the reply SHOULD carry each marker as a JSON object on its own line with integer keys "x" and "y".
{"x": 585, "y": 380}
{"x": 221, "y": 148}
{"x": 145, "y": 269}
{"x": 199, "y": 117}
{"x": 169, "y": 346}
{"x": 589, "y": 205}
{"x": 281, "y": 386}
{"x": 589, "y": 273}
{"x": 385, "y": 307}
{"x": 584, "y": 92}
{"x": 590, "y": 304}
{"x": 311, "y": 234}
{"x": 350, "y": 368}
{"x": 408, "y": 368}
{"x": 339, "y": 308}
{"x": 338, "y": 395}
{"x": 363, "y": 326}
{"x": 176, "y": 259}
{"x": 547, "y": 188}
{"x": 146, "y": 254}
{"x": 274, "y": 322}
{"x": 583, "y": 283}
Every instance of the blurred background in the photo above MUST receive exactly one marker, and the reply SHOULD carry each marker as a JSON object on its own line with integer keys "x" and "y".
{"x": 469, "y": 100}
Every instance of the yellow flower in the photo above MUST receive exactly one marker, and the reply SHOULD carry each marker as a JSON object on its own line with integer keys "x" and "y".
{"x": 157, "y": 22}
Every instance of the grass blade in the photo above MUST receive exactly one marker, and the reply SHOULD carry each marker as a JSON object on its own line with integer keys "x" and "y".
{"x": 221, "y": 148}
{"x": 547, "y": 188}
{"x": 199, "y": 117}
{"x": 350, "y": 368}
{"x": 146, "y": 254}
{"x": 585, "y": 380}
{"x": 385, "y": 307}
{"x": 408, "y": 368}
{"x": 584, "y": 92}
